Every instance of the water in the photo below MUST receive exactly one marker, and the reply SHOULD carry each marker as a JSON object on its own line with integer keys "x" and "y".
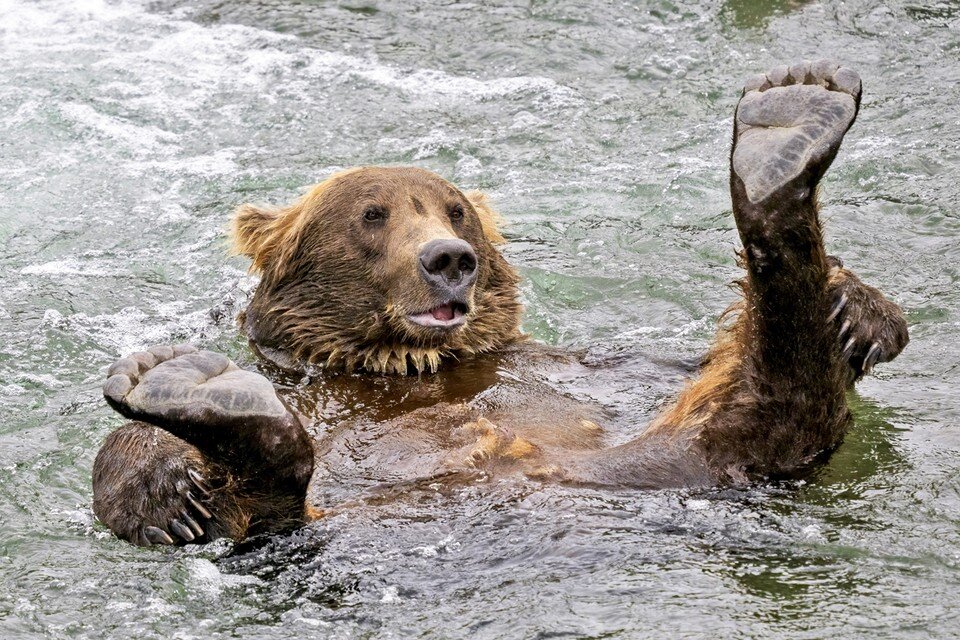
{"x": 129, "y": 131}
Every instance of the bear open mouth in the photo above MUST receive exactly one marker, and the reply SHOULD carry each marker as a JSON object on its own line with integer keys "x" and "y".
{"x": 444, "y": 316}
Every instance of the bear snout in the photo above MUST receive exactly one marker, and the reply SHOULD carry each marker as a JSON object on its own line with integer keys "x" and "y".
{"x": 450, "y": 266}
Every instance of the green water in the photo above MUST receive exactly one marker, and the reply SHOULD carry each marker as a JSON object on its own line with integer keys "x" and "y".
{"x": 128, "y": 132}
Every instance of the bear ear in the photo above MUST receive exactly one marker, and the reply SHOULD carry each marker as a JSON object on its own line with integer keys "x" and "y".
{"x": 490, "y": 220}
{"x": 269, "y": 236}
{"x": 258, "y": 232}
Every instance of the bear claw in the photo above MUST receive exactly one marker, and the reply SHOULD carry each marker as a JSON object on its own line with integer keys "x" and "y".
{"x": 202, "y": 510}
{"x": 848, "y": 348}
{"x": 873, "y": 355}
{"x": 156, "y": 535}
{"x": 199, "y": 481}
{"x": 182, "y": 530}
{"x": 871, "y": 328}
{"x": 193, "y": 524}
{"x": 844, "y": 330}
{"x": 183, "y": 527}
{"x": 837, "y": 307}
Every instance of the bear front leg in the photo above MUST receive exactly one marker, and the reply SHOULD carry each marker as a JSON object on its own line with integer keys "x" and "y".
{"x": 150, "y": 487}
{"x": 870, "y": 328}
{"x": 246, "y": 437}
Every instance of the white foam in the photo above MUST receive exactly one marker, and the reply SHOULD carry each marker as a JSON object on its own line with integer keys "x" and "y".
{"x": 211, "y": 165}
{"x": 68, "y": 266}
{"x": 296, "y": 616}
{"x": 136, "y": 137}
{"x": 41, "y": 380}
{"x": 391, "y": 595}
{"x": 433, "y": 550}
{"x": 147, "y": 79}
{"x": 22, "y": 114}
{"x": 211, "y": 58}
{"x": 160, "y": 609}
{"x": 432, "y": 82}
{"x": 130, "y": 329}
{"x": 206, "y": 578}
{"x": 670, "y": 334}
{"x": 77, "y": 516}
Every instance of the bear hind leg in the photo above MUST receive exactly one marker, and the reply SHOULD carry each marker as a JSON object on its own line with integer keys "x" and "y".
{"x": 771, "y": 397}
{"x": 233, "y": 416}
{"x": 790, "y": 380}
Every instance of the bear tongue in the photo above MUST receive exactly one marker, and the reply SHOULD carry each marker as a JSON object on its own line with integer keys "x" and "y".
{"x": 444, "y": 312}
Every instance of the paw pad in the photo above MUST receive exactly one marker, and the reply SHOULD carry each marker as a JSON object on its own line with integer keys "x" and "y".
{"x": 790, "y": 120}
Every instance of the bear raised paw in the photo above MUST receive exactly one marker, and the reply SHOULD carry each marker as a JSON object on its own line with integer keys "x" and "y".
{"x": 394, "y": 271}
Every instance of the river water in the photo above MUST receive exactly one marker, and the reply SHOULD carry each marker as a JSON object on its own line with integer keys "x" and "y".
{"x": 129, "y": 131}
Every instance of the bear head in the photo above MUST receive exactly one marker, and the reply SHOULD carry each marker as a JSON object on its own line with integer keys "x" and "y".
{"x": 382, "y": 269}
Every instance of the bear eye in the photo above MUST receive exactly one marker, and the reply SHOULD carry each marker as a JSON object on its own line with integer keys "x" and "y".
{"x": 374, "y": 213}
{"x": 456, "y": 213}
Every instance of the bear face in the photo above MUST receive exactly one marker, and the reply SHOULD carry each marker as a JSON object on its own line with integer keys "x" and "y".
{"x": 382, "y": 269}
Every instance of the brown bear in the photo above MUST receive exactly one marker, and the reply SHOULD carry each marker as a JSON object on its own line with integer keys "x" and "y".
{"x": 396, "y": 271}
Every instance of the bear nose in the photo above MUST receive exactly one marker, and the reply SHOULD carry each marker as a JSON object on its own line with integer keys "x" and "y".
{"x": 448, "y": 263}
